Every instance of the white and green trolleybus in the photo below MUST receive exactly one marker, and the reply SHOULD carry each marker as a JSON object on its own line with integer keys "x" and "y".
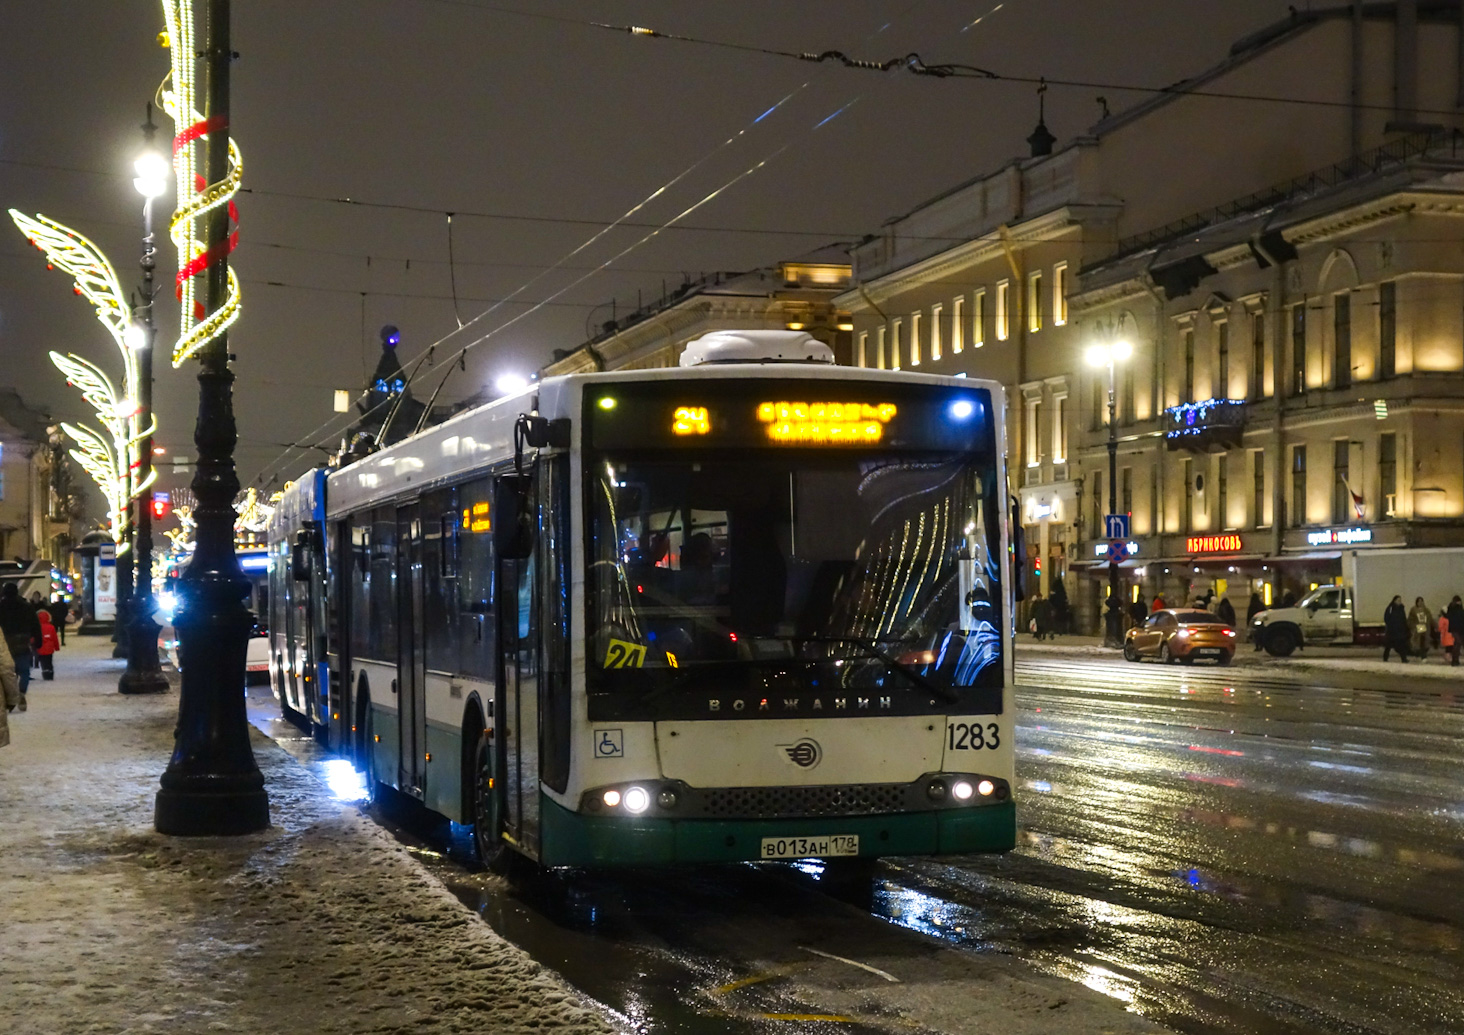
{"x": 756, "y": 607}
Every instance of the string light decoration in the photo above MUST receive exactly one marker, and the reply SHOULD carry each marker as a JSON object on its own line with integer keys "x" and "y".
{"x": 196, "y": 198}
{"x": 113, "y": 464}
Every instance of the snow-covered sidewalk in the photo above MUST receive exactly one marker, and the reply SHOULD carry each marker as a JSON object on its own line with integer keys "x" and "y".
{"x": 320, "y": 924}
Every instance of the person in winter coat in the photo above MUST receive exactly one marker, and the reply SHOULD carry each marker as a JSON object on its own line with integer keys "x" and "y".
{"x": 1420, "y": 626}
{"x": 1455, "y": 617}
{"x": 59, "y": 609}
{"x": 48, "y": 644}
{"x": 1158, "y": 604}
{"x": 9, "y": 690}
{"x": 1042, "y": 618}
{"x": 1395, "y": 629}
{"x": 1226, "y": 611}
{"x": 1138, "y": 610}
{"x": 21, "y": 630}
{"x": 1255, "y": 607}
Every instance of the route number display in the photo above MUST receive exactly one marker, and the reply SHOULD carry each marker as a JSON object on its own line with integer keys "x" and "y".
{"x": 807, "y": 847}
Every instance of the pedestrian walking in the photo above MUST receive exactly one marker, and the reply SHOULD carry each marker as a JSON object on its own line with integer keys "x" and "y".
{"x": 1042, "y": 618}
{"x": 1420, "y": 626}
{"x": 1226, "y": 611}
{"x": 1138, "y": 610}
{"x": 48, "y": 644}
{"x": 59, "y": 610}
{"x": 21, "y": 630}
{"x": 1255, "y": 607}
{"x": 1395, "y": 629}
{"x": 1158, "y": 604}
{"x": 9, "y": 690}
{"x": 1455, "y": 618}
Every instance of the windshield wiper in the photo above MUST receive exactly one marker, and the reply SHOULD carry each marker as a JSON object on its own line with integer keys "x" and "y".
{"x": 875, "y": 651}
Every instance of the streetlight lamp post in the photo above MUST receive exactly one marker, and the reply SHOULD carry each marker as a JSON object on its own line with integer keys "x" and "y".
{"x": 144, "y": 674}
{"x": 212, "y": 784}
{"x": 1110, "y": 353}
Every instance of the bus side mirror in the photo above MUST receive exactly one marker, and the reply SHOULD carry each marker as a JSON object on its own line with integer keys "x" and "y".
{"x": 1019, "y": 553}
{"x": 300, "y": 556}
{"x": 513, "y": 517}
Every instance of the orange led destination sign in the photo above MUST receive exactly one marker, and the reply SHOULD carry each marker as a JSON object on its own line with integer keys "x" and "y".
{"x": 476, "y": 518}
{"x": 1212, "y": 544}
{"x": 690, "y": 420}
{"x": 825, "y": 423}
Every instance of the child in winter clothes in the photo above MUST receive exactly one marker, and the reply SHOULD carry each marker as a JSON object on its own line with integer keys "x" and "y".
{"x": 50, "y": 643}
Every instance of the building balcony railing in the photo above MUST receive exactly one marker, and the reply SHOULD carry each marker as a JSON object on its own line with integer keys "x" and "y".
{"x": 1205, "y": 427}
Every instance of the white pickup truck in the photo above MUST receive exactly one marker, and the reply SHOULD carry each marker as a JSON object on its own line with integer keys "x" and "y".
{"x": 1352, "y": 613}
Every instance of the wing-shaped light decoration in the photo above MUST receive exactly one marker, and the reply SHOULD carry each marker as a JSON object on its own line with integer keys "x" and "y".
{"x": 195, "y": 197}
{"x": 99, "y": 460}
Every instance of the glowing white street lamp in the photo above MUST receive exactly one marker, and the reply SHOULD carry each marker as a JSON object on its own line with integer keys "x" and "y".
{"x": 1109, "y": 351}
{"x": 507, "y": 384}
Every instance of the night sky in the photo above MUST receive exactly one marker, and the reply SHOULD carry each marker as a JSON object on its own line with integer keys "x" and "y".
{"x": 519, "y": 110}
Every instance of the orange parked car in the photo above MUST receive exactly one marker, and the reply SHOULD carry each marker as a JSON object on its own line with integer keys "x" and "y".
{"x": 1181, "y": 634}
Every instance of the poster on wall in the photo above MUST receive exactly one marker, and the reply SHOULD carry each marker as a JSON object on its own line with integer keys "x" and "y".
{"x": 106, "y": 584}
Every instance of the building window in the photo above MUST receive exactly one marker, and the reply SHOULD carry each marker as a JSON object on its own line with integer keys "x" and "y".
{"x": 1059, "y": 295}
{"x": 1258, "y": 488}
{"x": 1097, "y": 505}
{"x": 1034, "y": 302}
{"x": 1034, "y": 432}
{"x": 1003, "y": 324}
{"x": 1222, "y": 360}
{"x": 895, "y": 344}
{"x": 978, "y": 319}
{"x": 1341, "y": 492}
{"x": 1387, "y": 329}
{"x": 1342, "y": 341}
{"x": 1126, "y": 490}
{"x": 957, "y": 314}
{"x": 935, "y": 315}
{"x": 1258, "y": 356}
{"x": 1059, "y": 429}
{"x": 1388, "y": 473}
{"x": 1188, "y": 334}
{"x": 862, "y": 353}
{"x": 1156, "y": 525}
{"x": 1298, "y": 486}
{"x": 1298, "y": 349}
{"x": 1222, "y": 493}
{"x": 879, "y": 347}
{"x": 1187, "y": 497}
{"x": 915, "y": 339}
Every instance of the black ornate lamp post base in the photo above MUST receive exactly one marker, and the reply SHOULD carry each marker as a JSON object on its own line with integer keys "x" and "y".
{"x": 144, "y": 672}
{"x": 212, "y": 785}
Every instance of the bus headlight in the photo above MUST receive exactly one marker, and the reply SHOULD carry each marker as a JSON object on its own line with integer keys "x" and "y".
{"x": 637, "y": 800}
{"x": 612, "y": 798}
{"x": 936, "y": 790}
{"x": 962, "y": 790}
{"x": 666, "y": 799}
{"x": 985, "y": 787}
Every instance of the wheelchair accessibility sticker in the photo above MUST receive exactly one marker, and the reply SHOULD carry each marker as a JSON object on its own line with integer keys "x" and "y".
{"x": 609, "y": 743}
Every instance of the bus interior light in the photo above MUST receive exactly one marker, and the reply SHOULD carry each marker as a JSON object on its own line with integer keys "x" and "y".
{"x": 637, "y": 800}
{"x": 607, "y": 402}
{"x": 962, "y": 409}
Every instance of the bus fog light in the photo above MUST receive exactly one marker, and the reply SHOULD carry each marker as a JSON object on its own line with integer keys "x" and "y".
{"x": 637, "y": 800}
{"x": 986, "y": 787}
{"x": 666, "y": 799}
{"x": 612, "y": 799}
{"x": 961, "y": 791}
{"x": 936, "y": 790}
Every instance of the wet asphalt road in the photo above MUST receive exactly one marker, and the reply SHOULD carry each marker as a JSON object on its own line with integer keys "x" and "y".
{"x": 1256, "y": 849}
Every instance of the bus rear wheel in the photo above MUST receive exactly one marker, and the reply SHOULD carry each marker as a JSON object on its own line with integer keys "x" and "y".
{"x": 492, "y": 851}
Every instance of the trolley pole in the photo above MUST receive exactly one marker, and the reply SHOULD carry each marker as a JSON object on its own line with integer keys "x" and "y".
{"x": 212, "y": 784}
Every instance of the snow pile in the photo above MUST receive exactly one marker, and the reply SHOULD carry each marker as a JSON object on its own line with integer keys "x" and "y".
{"x": 320, "y": 924}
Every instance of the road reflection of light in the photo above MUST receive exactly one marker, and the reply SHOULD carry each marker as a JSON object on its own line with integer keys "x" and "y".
{"x": 924, "y": 913}
{"x": 345, "y": 782}
{"x": 1339, "y": 766}
{"x": 1040, "y": 786}
{"x": 1217, "y": 751}
{"x": 1105, "y": 981}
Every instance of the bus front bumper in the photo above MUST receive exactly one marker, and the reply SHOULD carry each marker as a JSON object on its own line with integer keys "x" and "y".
{"x": 574, "y": 839}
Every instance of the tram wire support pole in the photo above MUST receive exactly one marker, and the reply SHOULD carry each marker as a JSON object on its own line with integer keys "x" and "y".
{"x": 144, "y": 672}
{"x": 1108, "y": 352}
{"x": 213, "y": 785}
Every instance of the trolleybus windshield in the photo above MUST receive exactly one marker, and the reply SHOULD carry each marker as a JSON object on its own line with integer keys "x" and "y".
{"x": 798, "y": 571}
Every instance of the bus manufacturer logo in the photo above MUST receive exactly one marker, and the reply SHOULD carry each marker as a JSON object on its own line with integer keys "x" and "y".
{"x": 805, "y": 754}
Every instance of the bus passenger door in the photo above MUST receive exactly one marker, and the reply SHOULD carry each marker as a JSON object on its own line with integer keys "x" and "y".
{"x": 518, "y": 637}
{"x": 411, "y": 651}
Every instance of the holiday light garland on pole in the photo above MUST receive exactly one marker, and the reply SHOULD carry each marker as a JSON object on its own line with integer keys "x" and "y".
{"x": 113, "y": 466}
{"x": 196, "y": 197}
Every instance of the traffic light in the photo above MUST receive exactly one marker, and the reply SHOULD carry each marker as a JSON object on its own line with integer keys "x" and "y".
{"x": 161, "y": 505}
